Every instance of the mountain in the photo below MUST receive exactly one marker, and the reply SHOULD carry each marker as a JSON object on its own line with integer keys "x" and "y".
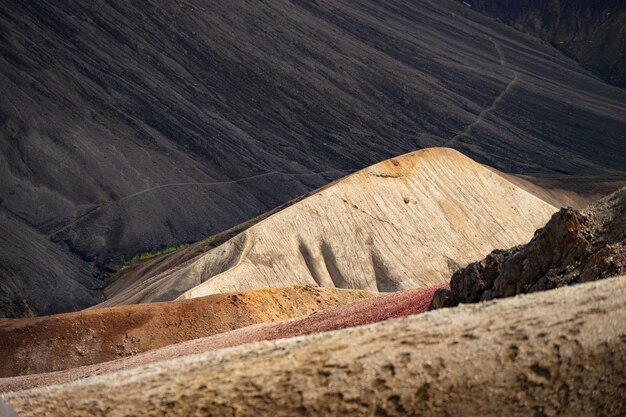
{"x": 592, "y": 32}
{"x": 559, "y": 352}
{"x": 407, "y": 222}
{"x": 127, "y": 127}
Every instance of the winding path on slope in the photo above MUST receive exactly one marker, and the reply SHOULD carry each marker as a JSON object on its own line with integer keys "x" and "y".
{"x": 467, "y": 131}
{"x": 495, "y": 102}
{"x": 101, "y": 205}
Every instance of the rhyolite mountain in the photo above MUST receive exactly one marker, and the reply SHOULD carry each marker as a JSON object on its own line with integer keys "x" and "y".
{"x": 407, "y": 222}
{"x": 592, "y": 32}
{"x": 126, "y": 126}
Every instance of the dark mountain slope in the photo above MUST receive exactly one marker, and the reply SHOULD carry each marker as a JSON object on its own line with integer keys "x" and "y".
{"x": 129, "y": 125}
{"x": 40, "y": 275}
{"x": 593, "y": 32}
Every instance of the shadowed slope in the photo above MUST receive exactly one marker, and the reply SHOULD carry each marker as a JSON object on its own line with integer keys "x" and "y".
{"x": 44, "y": 344}
{"x": 429, "y": 364}
{"x": 28, "y": 252}
{"x": 568, "y": 191}
{"x": 590, "y": 31}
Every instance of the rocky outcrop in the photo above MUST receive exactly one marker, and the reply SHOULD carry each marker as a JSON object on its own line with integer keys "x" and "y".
{"x": 575, "y": 246}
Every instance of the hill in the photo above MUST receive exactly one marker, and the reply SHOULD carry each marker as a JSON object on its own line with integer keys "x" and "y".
{"x": 359, "y": 312}
{"x": 53, "y": 343}
{"x": 131, "y": 126}
{"x": 407, "y": 222}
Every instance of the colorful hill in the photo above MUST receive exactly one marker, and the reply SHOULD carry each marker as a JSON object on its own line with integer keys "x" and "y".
{"x": 52, "y": 343}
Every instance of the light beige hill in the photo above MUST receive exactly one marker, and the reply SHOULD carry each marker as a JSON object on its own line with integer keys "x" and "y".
{"x": 408, "y": 222}
{"x": 559, "y": 352}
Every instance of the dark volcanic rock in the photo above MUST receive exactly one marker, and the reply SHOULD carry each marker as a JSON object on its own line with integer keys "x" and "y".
{"x": 126, "y": 126}
{"x": 575, "y": 246}
{"x": 593, "y": 32}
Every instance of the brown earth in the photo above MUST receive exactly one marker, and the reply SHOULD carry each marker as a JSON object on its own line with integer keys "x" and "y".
{"x": 557, "y": 352}
{"x": 53, "y": 343}
{"x": 367, "y": 311}
{"x": 574, "y": 246}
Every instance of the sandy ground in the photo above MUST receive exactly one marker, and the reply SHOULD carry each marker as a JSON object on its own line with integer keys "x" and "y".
{"x": 559, "y": 352}
{"x": 53, "y": 343}
{"x": 358, "y": 313}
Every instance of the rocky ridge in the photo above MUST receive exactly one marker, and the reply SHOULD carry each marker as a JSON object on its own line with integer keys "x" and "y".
{"x": 574, "y": 246}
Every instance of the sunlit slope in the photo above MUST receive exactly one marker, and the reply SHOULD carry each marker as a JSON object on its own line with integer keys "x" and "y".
{"x": 404, "y": 223}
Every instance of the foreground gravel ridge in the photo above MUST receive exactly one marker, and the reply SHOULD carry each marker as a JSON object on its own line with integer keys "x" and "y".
{"x": 553, "y": 353}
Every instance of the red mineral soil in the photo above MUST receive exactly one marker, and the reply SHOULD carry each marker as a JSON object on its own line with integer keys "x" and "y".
{"x": 64, "y": 341}
{"x": 362, "y": 312}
